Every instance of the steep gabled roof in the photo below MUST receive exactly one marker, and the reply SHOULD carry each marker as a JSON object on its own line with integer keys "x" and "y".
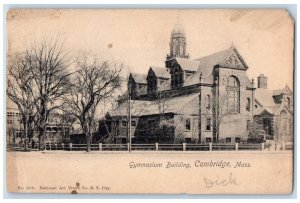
{"x": 273, "y": 110}
{"x": 161, "y": 72}
{"x": 139, "y": 78}
{"x": 229, "y": 58}
{"x": 285, "y": 90}
{"x": 187, "y": 64}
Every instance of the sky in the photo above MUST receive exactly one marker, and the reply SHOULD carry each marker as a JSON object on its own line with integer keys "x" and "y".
{"x": 140, "y": 38}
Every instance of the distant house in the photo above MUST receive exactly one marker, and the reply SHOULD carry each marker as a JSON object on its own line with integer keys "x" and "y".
{"x": 57, "y": 130}
{"x": 274, "y": 112}
{"x": 207, "y": 99}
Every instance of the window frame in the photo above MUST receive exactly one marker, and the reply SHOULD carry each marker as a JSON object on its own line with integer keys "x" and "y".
{"x": 248, "y": 104}
{"x": 124, "y": 123}
{"x": 227, "y": 139}
{"x": 208, "y": 102}
{"x": 233, "y": 94}
{"x": 188, "y": 125}
{"x": 133, "y": 121}
{"x": 208, "y": 124}
{"x": 248, "y": 124}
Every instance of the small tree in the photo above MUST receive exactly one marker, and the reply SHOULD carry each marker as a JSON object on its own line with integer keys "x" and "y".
{"x": 256, "y": 132}
{"x": 94, "y": 81}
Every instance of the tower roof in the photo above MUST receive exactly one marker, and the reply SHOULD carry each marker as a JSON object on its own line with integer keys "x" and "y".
{"x": 178, "y": 31}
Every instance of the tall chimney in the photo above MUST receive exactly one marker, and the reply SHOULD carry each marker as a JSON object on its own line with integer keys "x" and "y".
{"x": 262, "y": 81}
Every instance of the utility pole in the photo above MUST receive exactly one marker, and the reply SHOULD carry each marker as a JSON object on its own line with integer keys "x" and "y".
{"x": 200, "y": 106}
{"x": 215, "y": 109}
{"x": 129, "y": 115}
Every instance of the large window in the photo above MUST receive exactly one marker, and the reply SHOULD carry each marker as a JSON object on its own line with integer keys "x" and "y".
{"x": 233, "y": 93}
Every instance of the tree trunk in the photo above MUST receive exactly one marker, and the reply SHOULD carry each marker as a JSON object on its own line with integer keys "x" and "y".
{"x": 42, "y": 123}
{"x": 86, "y": 131}
{"x": 25, "y": 135}
{"x": 88, "y": 142}
{"x": 41, "y": 135}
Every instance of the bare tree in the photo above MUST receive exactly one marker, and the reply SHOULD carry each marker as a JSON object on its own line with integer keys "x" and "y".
{"x": 49, "y": 65}
{"x": 20, "y": 91}
{"x": 215, "y": 111}
{"x": 94, "y": 81}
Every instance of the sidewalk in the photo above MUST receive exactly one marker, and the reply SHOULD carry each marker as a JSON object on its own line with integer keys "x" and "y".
{"x": 160, "y": 152}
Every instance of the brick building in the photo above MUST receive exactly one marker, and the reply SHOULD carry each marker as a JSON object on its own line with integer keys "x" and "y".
{"x": 206, "y": 99}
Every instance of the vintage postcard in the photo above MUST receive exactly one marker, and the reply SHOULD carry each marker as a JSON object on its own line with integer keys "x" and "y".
{"x": 150, "y": 101}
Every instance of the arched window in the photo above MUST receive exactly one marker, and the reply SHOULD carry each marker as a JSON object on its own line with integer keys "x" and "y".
{"x": 208, "y": 101}
{"x": 233, "y": 93}
{"x": 248, "y": 104}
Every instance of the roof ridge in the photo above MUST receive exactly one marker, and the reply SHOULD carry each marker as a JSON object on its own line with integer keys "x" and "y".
{"x": 212, "y": 54}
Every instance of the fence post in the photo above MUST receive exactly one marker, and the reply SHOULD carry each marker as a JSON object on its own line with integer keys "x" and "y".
{"x": 127, "y": 146}
{"x": 210, "y": 146}
{"x": 62, "y": 145}
{"x": 283, "y": 146}
{"x": 262, "y": 146}
{"x": 50, "y": 147}
{"x": 100, "y": 146}
{"x": 156, "y": 146}
{"x": 70, "y": 144}
{"x": 236, "y": 146}
{"x": 184, "y": 146}
{"x": 56, "y": 146}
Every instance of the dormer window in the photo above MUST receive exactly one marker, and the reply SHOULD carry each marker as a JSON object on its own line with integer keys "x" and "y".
{"x": 152, "y": 83}
{"x": 176, "y": 77}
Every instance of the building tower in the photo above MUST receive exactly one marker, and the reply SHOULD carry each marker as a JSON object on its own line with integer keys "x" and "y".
{"x": 177, "y": 43}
